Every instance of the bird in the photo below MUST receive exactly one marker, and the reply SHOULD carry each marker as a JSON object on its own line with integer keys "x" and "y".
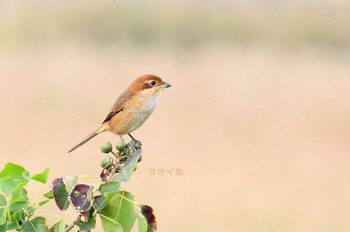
{"x": 132, "y": 108}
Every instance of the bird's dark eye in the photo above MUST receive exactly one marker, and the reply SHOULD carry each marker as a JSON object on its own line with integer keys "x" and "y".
{"x": 153, "y": 83}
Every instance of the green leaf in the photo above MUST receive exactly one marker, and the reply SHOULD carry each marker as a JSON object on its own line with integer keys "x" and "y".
{"x": 3, "y": 201}
{"x": 2, "y": 215}
{"x": 60, "y": 194}
{"x": 3, "y": 227}
{"x": 41, "y": 177}
{"x": 100, "y": 201}
{"x": 13, "y": 177}
{"x": 89, "y": 224}
{"x": 9, "y": 185}
{"x": 13, "y": 226}
{"x": 48, "y": 195}
{"x": 19, "y": 200}
{"x": 35, "y": 225}
{"x": 14, "y": 171}
{"x": 81, "y": 197}
{"x": 70, "y": 182}
{"x": 18, "y": 206}
{"x": 130, "y": 165}
{"x": 41, "y": 203}
{"x": 58, "y": 227}
{"x": 110, "y": 186}
{"x": 15, "y": 219}
{"x": 120, "y": 212}
{"x": 29, "y": 210}
{"x": 143, "y": 226}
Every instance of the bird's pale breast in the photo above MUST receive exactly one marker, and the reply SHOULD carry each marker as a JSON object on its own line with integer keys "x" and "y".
{"x": 133, "y": 115}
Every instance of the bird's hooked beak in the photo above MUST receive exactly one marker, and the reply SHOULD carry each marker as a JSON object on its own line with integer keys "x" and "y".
{"x": 166, "y": 85}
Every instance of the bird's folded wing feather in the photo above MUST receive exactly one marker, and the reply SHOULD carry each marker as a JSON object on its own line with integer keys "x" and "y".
{"x": 119, "y": 104}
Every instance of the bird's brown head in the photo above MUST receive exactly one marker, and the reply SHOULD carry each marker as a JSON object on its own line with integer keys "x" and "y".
{"x": 148, "y": 85}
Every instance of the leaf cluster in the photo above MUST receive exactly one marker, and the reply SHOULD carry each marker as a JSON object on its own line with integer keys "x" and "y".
{"x": 115, "y": 206}
{"x": 16, "y": 209}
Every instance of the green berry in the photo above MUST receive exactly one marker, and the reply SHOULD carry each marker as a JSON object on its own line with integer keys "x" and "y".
{"x": 122, "y": 160}
{"x": 129, "y": 151}
{"x": 107, "y": 162}
{"x": 138, "y": 145}
{"x": 120, "y": 146}
{"x": 106, "y": 147}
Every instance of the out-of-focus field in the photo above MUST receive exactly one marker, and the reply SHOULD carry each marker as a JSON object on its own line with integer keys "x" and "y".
{"x": 261, "y": 132}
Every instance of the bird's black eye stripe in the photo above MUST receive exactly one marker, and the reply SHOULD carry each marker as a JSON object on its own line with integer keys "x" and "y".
{"x": 153, "y": 83}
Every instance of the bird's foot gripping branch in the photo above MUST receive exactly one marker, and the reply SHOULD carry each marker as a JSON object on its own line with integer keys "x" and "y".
{"x": 115, "y": 206}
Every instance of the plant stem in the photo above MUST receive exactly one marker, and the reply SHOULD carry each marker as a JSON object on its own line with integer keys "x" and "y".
{"x": 70, "y": 227}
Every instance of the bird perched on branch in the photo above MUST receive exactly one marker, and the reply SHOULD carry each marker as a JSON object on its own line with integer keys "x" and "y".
{"x": 132, "y": 108}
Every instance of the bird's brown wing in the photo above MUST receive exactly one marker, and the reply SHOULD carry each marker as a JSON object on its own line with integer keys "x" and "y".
{"x": 119, "y": 104}
{"x": 110, "y": 115}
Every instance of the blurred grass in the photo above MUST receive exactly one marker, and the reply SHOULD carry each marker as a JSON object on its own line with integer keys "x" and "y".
{"x": 288, "y": 24}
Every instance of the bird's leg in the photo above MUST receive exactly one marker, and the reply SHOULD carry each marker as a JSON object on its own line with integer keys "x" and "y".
{"x": 132, "y": 137}
{"x": 135, "y": 141}
{"x": 121, "y": 138}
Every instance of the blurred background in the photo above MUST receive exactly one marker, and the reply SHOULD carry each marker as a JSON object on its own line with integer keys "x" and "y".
{"x": 257, "y": 120}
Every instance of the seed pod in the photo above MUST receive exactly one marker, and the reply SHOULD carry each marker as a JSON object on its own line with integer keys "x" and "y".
{"x": 106, "y": 147}
{"x": 120, "y": 146}
{"x": 129, "y": 151}
{"x": 122, "y": 160}
{"x": 107, "y": 162}
{"x": 138, "y": 145}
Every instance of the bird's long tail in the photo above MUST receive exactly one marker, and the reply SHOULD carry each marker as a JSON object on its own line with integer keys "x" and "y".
{"x": 90, "y": 136}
